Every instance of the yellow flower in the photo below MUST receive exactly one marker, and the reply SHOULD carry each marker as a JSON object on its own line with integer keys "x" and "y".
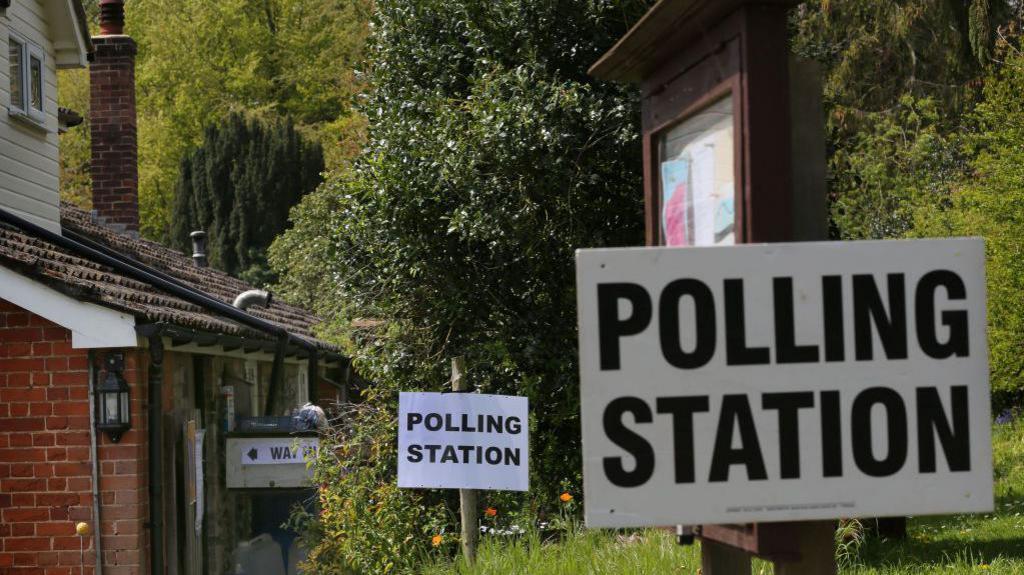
{"x": 565, "y": 497}
{"x": 436, "y": 540}
{"x": 491, "y": 512}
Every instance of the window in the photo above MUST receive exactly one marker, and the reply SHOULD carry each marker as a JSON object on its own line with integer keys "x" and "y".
{"x": 697, "y": 179}
{"x": 26, "y": 73}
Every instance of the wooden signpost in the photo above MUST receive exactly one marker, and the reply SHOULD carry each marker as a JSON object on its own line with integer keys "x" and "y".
{"x": 734, "y": 153}
{"x": 729, "y": 57}
{"x": 467, "y": 497}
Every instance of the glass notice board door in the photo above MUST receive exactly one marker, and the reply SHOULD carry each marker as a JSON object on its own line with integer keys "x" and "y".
{"x": 697, "y": 179}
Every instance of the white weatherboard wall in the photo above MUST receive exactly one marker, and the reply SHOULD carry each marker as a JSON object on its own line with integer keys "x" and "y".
{"x": 635, "y": 395}
{"x": 29, "y": 168}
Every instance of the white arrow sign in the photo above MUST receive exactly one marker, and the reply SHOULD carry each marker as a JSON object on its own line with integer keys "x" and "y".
{"x": 278, "y": 450}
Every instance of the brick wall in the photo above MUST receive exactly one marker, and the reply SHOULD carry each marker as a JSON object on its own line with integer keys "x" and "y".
{"x": 114, "y": 164}
{"x": 45, "y": 464}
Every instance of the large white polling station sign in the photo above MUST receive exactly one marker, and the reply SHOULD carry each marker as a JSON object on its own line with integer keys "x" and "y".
{"x": 784, "y": 382}
{"x": 463, "y": 441}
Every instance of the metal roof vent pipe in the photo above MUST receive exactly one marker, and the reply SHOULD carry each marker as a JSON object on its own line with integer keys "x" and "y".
{"x": 199, "y": 248}
{"x": 258, "y": 297}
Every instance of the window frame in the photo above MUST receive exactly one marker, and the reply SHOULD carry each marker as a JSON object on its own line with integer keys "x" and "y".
{"x": 28, "y": 51}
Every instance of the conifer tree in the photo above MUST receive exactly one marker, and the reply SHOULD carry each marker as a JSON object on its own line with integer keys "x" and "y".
{"x": 239, "y": 186}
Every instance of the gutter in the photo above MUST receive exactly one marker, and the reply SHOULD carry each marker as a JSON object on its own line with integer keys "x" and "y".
{"x": 98, "y": 545}
{"x": 155, "y": 399}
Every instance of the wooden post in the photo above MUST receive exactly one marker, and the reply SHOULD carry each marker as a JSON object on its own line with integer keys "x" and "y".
{"x": 718, "y": 559}
{"x": 467, "y": 497}
{"x": 816, "y": 541}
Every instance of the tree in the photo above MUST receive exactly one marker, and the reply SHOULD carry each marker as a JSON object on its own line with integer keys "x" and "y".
{"x": 899, "y": 77}
{"x": 492, "y": 157}
{"x": 199, "y": 60}
{"x": 990, "y": 203}
{"x": 238, "y": 187}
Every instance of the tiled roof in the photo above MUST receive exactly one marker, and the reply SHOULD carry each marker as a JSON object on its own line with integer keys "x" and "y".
{"x": 84, "y": 279}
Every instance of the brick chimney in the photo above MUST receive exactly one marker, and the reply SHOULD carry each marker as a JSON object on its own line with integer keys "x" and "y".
{"x": 115, "y": 172}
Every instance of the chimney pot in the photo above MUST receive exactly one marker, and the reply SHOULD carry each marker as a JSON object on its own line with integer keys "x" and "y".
{"x": 199, "y": 248}
{"x": 111, "y": 17}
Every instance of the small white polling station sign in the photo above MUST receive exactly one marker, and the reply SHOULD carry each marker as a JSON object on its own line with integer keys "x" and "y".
{"x": 463, "y": 441}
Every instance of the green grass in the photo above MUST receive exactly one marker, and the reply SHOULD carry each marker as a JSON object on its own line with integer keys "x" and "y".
{"x": 992, "y": 543}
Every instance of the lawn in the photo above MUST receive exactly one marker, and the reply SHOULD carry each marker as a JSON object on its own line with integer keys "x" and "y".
{"x": 992, "y": 543}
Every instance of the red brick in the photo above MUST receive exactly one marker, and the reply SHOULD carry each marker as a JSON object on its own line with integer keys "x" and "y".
{"x": 40, "y": 321}
{"x": 126, "y": 467}
{"x": 70, "y": 378}
{"x": 46, "y": 559}
{"x": 56, "y": 334}
{"x": 78, "y": 513}
{"x": 44, "y": 439}
{"x": 26, "y": 455}
{"x": 57, "y": 394}
{"x": 57, "y": 499}
{"x": 19, "y": 349}
{"x": 32, "y": 514}
{"x": 20, "y": 439}
{"x": 121, "y": 512}
{"x": 22, "y": 424}
{"x": 19, "y": 319}
{"x": 16, "y": 364}
{"x": 40, "y": 409}
{"x": 79, "y": 483}
{"x": 24, "y": 395}
{"x": 43, "y": 469}
{"x": 23, "y": 334}
{"x": 72, "y": 438}
{"x": 22, "y": 470}
{"x": 56, "y": 528}
{"x": 22, "y": 485}
{"x": 71, "y": 408}
{"x": 70, "y": 469}
{"x": 23, "y": 529}
{"x": 27, "y": 544}
{"x": 118, "y": 482}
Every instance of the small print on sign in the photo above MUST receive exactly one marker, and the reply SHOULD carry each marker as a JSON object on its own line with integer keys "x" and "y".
{"x": 784, "y": 382}
{"x": 278, "y": 450}
{"x": 463, "y": 441}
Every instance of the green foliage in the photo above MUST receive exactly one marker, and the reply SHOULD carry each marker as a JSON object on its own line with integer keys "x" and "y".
{"x": 898, "y": 77}
{"x": 492, "y": 156}
{"x": 366, "y": 523}
{"x": 899, "y": 159}
{"x": 589, "y": 552}
{"x": 198, "y": 60}
{"x": 991, "y": 204}
{"x": 238, "y": 187}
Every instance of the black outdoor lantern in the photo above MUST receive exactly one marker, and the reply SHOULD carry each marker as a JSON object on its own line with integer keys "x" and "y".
{"x": 114, "y": 415}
